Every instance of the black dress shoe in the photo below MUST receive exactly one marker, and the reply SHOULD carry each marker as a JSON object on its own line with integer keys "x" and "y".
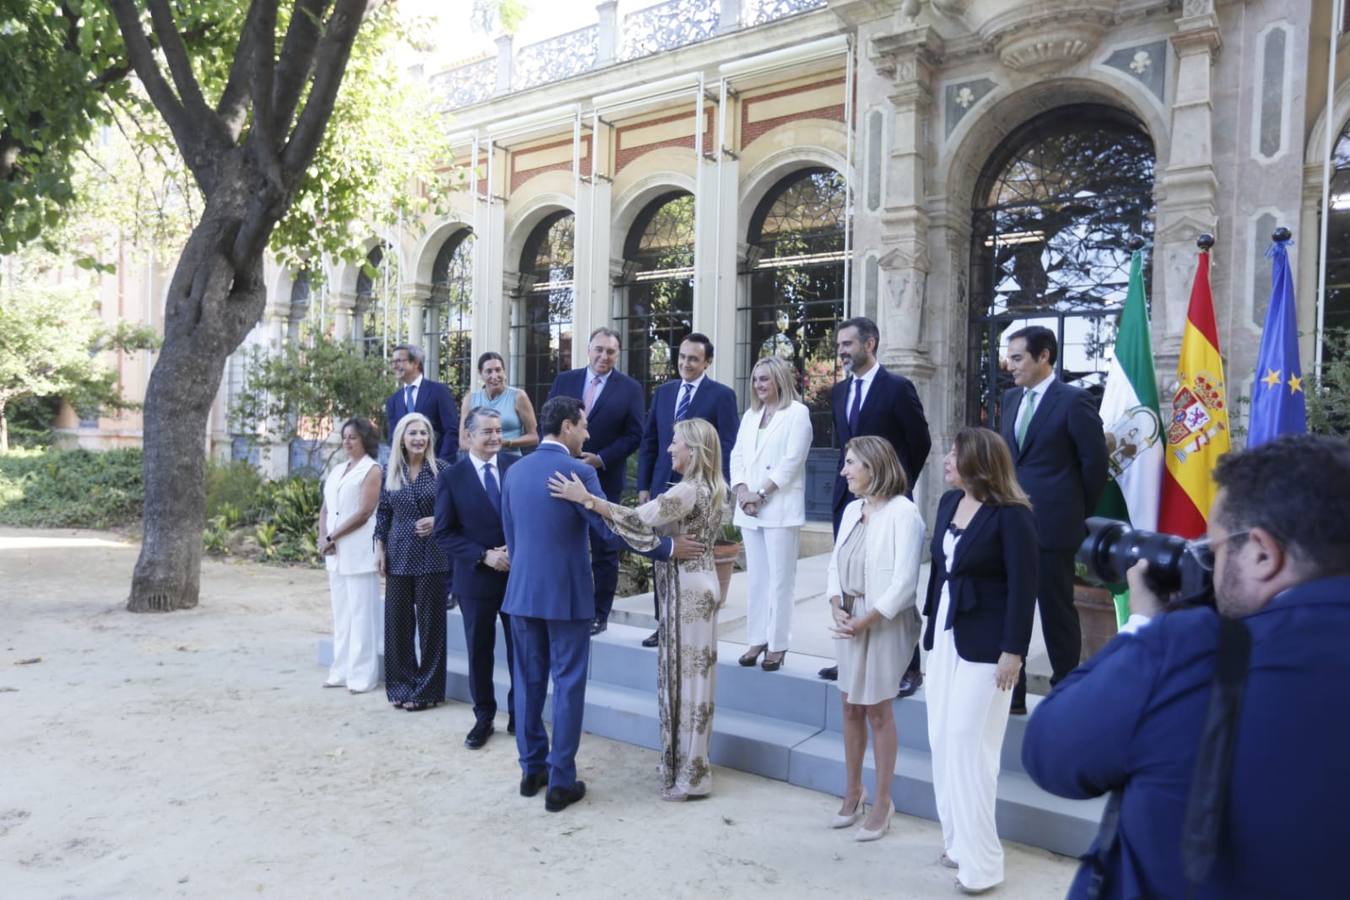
{"x": 829, "y": 673}
{"x": 511, "y": 725}
{"x": 1017, "y": 709}
{"x": 558, "y": 799}
{"x": 479, "y": 734}
{"x": 909, "y": 683}
{"x": 533, "y": 784}
{"x": 652, "y": 639}
{"x": 598, "y": 626}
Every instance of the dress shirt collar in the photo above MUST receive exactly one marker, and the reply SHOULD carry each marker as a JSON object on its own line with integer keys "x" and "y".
{"x": 591, "y": 376}
{"x": 869, "y": 376}
{"x": 480, "y": 463}
{"x": 559, "y": 444}
{"x": 1040, "y": 387}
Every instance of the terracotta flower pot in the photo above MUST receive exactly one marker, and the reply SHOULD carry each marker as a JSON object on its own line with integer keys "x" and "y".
{"x": 1096, "y": 616}
{"x": 725, "y": 554}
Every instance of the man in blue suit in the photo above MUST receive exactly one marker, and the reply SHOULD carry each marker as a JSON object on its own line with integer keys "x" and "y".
{"x": 1140, "y": 719}
{"x": 551, "y": 599}
{"x": 874, "y": 400}
{"x": 692, "y": 396}
{"x": 430, "y": 398}
{"x": 1059, "y": 446}
{"x": 613, "y": 405}
{"x": 469, "y": 531}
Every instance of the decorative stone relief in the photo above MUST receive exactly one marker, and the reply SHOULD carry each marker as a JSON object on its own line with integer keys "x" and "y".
{"x": 1146, "y": 63}
{"x": 466, "y": 85}
{"x": 666, "y": 26}
{"x": 957, "y": 100}
{"x": 1030, "y": 40}
{"x": 557, "y": 58}
{"x": 761, "y": 11}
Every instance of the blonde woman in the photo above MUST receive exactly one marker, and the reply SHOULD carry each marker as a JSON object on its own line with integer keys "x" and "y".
{"x": 414, "y": 569}
{"x": 346, "y": 525}
{"x": 689, "y": 595}
{"x": 872, "y": 583}
{"x": 768, "y": 479}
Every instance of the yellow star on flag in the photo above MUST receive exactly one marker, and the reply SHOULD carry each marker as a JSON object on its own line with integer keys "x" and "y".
{"x": 1272, "y": 377}
{"x": 1295, "y": 384}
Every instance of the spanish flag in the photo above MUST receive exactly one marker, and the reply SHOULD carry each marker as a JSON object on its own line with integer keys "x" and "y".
{"x": 1197, "y": 432}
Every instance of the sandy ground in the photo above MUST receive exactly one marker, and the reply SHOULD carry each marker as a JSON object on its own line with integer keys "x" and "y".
{"x": 195, "y": 755}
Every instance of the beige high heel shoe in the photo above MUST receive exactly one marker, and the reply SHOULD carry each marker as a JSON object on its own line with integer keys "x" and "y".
{"x": 867, "y": 834}
{"x": 841, "y": 821}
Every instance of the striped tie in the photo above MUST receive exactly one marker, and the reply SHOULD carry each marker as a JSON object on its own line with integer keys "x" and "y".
{"x": 683, "y": 409}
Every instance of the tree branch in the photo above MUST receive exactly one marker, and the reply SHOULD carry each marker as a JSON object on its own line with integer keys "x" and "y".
{"x": 185, "y": 130}
{"x": 180, "y": 66}
{"x": 330, "y": 65}
{"x": 297, "y": 57}
{"x": 233, "y": 106}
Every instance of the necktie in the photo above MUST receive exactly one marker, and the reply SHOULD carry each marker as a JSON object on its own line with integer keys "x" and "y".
{"x": 1024, "y": 417}
{"x": 856, "y": 407}
{"x": 493, "y": 491}
{"x": 408, "y": 398}
{"x": 683, "y": 409}
{"x": 588, "y": 398}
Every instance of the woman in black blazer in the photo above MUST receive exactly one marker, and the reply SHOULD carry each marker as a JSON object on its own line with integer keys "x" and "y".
{"x": 981, "y": 600}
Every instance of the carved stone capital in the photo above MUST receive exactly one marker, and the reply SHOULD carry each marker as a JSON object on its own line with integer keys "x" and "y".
{"x": 908, "y": 56}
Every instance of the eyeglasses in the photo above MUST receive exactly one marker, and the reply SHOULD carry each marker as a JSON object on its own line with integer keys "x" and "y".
{"x": 1203, "y": 550}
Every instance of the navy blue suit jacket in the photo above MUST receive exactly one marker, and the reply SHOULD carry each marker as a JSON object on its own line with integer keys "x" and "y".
{"x": 437, "y": 403}
{"x": 548, "y": 539}
{"x": 615, "y": 423}
{"x": 891, "y": 410}
{"x": 1130, "y": 718}
{"x": 712, "y": 401}
{"x": 992, "y": 584}
{"x": 1062, "y": 466}
{"x": 467, "y": 526}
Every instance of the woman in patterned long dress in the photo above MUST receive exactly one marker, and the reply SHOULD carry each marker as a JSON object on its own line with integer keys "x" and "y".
{"x": 689, "y": 594}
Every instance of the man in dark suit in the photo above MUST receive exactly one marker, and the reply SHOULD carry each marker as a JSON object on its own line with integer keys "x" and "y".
{"x": 613, "y": 405}
{"x": 430, "y": 398}
{"x": 692, "y": 396}
{"x": 873, "y": 400}
{"x": 551, "y": 599}
{"x": 1059, "y": 447}
{"x": 469, "y": 531}
{"x": 1257, "y": 779}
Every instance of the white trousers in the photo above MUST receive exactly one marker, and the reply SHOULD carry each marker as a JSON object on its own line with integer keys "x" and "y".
{"x": 358, "y": 630}
{"x": 967, "y": 717}
{"x": 771, "y": 567}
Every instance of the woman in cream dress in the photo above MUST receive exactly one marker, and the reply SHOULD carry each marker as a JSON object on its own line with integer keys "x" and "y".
{"x": 872, "y": 582}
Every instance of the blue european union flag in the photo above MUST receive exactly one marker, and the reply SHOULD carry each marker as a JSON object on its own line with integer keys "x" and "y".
{"x": 1277, "y": 397}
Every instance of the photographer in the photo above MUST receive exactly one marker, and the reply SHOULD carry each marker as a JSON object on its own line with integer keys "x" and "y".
{"x": 1137, "y": 718}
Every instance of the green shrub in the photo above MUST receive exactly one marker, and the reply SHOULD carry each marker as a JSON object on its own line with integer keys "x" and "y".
{"x": 71, "y": 488}
{"x": 235, "y": 484}
{"x": 294, "y": 506}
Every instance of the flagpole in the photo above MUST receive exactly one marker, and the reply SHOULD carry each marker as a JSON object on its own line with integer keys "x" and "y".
{"x": 1337, "y": 15}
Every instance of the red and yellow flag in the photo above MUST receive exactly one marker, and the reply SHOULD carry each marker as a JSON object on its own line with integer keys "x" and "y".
{"x": 1197, "y": 434}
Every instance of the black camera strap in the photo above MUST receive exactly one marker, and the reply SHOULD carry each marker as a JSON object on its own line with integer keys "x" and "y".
{"x": 1208, "y": 799}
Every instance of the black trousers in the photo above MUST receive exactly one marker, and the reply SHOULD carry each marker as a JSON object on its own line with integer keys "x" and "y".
{"x": 414, "y": 604}
{"x": 480, "y": 638}
{"x": 1059, "y": 620}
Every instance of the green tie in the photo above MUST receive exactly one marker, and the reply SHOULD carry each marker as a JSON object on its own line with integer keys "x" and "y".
{"x": 1024, "y": 419}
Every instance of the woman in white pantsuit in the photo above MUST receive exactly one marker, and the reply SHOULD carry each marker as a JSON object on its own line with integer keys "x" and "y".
{"x": 351, "y": 494}
{"x": 980, "y": 604}
{"x": 872, "y": 580}
{"x": 768, "y": 478}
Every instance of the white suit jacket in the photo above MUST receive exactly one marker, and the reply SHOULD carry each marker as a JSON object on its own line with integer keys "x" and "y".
{"x": 779, "y": 456}
{"x": 894, "y": 552}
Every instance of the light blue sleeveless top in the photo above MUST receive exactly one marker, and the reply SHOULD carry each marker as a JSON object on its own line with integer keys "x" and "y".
{"x": 505, "y": 405}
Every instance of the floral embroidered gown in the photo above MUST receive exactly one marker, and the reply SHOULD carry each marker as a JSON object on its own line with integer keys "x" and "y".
{"x": 689, "y": 595}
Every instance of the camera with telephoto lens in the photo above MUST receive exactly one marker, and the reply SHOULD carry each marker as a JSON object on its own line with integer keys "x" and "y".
{"x": 1178, "y": 569}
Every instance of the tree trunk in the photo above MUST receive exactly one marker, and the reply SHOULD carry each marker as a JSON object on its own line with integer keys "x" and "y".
{"x": 4, "y": 430}
{"x": 209, "y": 310}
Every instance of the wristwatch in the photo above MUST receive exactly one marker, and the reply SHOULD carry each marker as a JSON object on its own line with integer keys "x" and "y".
{"x": 589, "y": 504}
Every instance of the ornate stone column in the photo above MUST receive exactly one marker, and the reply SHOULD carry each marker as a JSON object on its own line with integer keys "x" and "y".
{"x": 1189, "y": 184}
{"x": 415, "y": 298}
{"x": 344, "y": 306}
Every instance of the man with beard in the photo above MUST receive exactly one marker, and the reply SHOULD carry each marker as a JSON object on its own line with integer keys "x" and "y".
{"x": 874, "y": 400}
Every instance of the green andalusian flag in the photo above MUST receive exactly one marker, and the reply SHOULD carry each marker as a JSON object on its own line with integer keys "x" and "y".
{"x": 1129, "y": 411}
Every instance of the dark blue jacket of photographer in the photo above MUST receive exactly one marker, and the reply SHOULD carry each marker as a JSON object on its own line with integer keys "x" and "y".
{"x": 1131, "y": 717}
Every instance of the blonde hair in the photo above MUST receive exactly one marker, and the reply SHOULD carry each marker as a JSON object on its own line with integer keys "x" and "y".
{"x": 878, "y": 457}
{"x": 986, "y": 468}
{"x": 705, "y": 451}
{"x": 784, "y": 379}
{"x": 393, "y": 475}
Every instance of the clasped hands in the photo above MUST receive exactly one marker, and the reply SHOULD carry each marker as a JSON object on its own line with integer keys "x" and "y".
{"x": 749, "y": 501}
{"x": 849, "y": 626}
{"x": 498, "y": 558}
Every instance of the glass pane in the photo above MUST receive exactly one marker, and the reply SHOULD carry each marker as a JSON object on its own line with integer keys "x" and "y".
{"x": 541, "y": 340}
{"x": 657, "y": 289}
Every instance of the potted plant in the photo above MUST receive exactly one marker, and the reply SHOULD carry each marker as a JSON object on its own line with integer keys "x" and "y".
{"x": 1096, "y": 611}
{"x": 726, "y": 550}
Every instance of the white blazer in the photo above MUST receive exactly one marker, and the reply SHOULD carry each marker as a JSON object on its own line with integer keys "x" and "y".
{"x": 894, "y": 552}
{"x": 779, "y": 455}
{"x": 342, "y": 499}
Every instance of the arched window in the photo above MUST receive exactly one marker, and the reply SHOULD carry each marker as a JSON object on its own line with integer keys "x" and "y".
{"x": 447, "y": 328}
{"x": 1054, "y": 213}
{"x": 1337, "y": 313}
{"x": 655, "y": 297}
{"x": 796, "y": 267}
{"x": 374, "y": 322}
{"x": 541, "y": 317}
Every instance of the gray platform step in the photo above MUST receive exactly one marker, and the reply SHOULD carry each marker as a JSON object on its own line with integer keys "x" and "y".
{"x": 786, "y": 725}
